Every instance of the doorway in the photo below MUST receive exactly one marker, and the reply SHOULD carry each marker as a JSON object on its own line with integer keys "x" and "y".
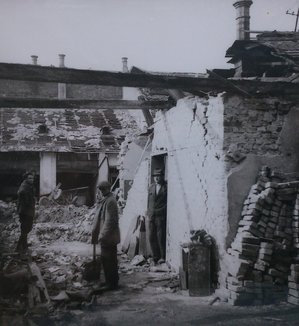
{"x": 157, "y": 207}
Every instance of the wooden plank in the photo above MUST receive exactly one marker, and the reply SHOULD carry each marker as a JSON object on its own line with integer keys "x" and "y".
{"x": 190, "y": 84}
{"x": 81, "y": 104}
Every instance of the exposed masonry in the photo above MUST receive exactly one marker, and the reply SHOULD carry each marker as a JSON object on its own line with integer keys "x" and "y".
{"x": 254, "y": 125}
{"x": 262, "y": 261}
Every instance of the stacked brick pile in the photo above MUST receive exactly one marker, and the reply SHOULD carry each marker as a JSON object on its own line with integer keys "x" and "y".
{"x": 261, "y": 254}
{"x": 293, "y": 285}
{"x": 293, "y": 294}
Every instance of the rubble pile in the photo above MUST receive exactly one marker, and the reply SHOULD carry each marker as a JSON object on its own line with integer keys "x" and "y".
{"x": 62, "y": 214}
{"x": 77, "y": 229}
{"x": 265, "y": 246}
{"x": 7, "y": 210}
{"x": 66, "y": 223}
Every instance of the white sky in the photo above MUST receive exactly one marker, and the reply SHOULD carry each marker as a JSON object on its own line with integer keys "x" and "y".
{"x": 156, "y": 35}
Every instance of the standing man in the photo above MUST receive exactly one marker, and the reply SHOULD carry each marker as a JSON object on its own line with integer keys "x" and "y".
{"x": 106, "y": 232}
{"x": 157, "y": 209}
{"x": 26, "y": 209}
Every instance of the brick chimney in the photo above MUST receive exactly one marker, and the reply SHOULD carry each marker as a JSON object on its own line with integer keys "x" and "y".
{"x": 34, "y": 59}
{"x": 125, "y": 64}
{"x": 61, "y": 60}
{"x": 243, "y": 18}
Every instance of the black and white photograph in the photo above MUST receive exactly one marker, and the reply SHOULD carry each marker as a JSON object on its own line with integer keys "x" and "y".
{"x": 149, "y": 162}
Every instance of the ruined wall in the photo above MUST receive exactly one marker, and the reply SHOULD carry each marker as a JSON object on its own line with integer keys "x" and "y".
{"x": 16, "y": 88}
{"x": 192, "y": 135}
{"x": 257, "y": 132}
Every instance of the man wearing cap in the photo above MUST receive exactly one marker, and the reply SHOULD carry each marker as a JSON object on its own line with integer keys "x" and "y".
{"x": 106, "y": 232}
{"x": 157, "y": 208}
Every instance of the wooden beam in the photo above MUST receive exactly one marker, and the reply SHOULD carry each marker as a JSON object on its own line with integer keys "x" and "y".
{"x": 189, "y": 84}
{"x": 6, "y": 102}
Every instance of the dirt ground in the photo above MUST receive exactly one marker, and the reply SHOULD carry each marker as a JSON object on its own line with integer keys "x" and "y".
{"x": 148, "y": 295}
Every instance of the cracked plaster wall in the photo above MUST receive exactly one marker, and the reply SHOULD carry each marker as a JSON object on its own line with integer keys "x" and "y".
{"x": 137, "y": 199}
{"x": 192, "y": 135}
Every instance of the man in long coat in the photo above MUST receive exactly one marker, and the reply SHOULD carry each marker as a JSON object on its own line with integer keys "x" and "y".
{"x": 26, "y": 210}
{"x": 106, "y": 232}
{"x": 157, "y": 210}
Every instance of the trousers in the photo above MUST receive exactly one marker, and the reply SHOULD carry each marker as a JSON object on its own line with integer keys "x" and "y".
{"x": 157, "y": 237}
{"x": 110, "y": 264}
{"x": 26, "y": 226}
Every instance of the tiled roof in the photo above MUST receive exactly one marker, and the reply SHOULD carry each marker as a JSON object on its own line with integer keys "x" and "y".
{"x": 283, "y": 43}
{"x": 61, "y": 130}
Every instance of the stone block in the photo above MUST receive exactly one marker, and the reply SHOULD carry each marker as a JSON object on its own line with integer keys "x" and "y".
{"x": 293, "y": 285}
{"x": 294, "y": 293}
{"x": 293, "y": 300}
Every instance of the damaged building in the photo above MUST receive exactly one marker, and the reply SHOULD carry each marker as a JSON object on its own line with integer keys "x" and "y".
{"x": 226, "y": 140}
{"x": 72, "y": 148}
{"x": 214, "y": 147}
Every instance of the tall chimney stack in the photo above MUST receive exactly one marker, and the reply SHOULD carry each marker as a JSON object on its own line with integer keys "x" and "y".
{"x": 61, "y": 60}
{"x": 243, "y": 19}
{"x": 61, "y": 86}
{"x": 34, "y": 59}
{"x": 125, "y": 64}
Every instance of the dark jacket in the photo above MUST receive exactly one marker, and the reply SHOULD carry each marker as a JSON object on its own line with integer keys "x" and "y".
{"x": 157, "y": 203}
{"x": 26, "y": 200}
{"x": 106, "y": 229}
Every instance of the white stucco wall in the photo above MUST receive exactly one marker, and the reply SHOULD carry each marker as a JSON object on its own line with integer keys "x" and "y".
{"x": 137, "y": 199}
{"x": 192, "y": 132}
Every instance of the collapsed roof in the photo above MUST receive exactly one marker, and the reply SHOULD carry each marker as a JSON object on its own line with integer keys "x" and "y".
{"x": 63, "y": 130}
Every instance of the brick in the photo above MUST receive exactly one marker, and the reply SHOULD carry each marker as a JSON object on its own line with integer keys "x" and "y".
{"x": 266, "y": 245}
{"x": 293, "y": 285}
{"x": 246, "y": 223}
{"x": 294, "y": 293}
{"x": 275, "y": 208}
{"x": 235, "y": 288}
{"x": 233, "y": 281}
{"x": 239, "y": 246}
{"x": 248, "y": 238}
{"x": 295, "y": 267}
{"x": 256, "y": 206}
{"x": 293, "y": 300}
{"x": 266, "y": 251}
{"x": 271, "y": 225}
{"x": 261, "y": 265}
{"x": 265, "y": 212}
{"x": 238, "y": 268}
{"x": 293, "y": 278}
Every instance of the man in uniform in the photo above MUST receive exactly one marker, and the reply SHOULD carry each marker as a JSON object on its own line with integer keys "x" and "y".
{"x": 106, "y": 232}
{"x": 157, "y": 208}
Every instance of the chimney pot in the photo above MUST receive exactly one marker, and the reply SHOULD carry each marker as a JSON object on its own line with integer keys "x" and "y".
{"x": 61, "y": 60}
{"x": 243, "y": 18}
{"x": 34, "y": 59}
{"x": 125, "y": 64}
